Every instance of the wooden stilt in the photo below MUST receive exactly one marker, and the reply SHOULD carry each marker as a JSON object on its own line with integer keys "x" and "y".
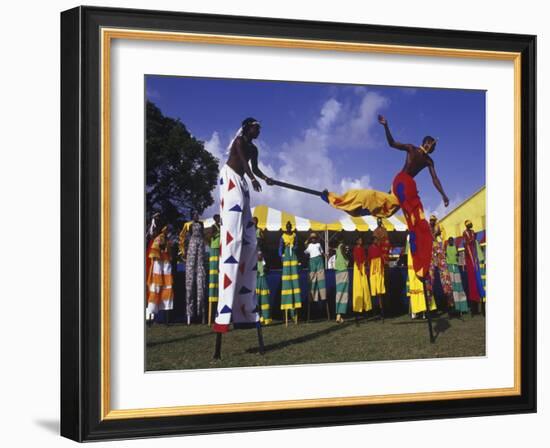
{"x": 167, "y": 317}
{"x": 286, "y": 317}
{"x": 428, "y": 313}
{"x": 218, "y": 349}
{"x": 328, "y": 311}
{"x": 209, "y": 313}
{"x": 308, "y": 310}
{"x": 260, "y": 340}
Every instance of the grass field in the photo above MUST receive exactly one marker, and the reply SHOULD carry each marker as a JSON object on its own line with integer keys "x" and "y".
{"x": 177, "y": 346}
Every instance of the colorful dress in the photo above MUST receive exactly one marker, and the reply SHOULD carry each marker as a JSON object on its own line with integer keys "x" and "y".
{"x": 342, "y": 281}
{"x": 361, "y": 294}
{"x": 415, "y": 287}
{"x": 237, "y": 302}
{"x": 317, "y": 289}
{"x": 291, "y": 297}
{"x": 263, "y": 294}
{"x": 476, "y": 292}
{"x": 439, "y": 262}
{"x": 213, "y": 265}
{"x": 195, "y": 275}
{"x": 376, "y": 267}
{"x": 160, "y": 295}
{"x": 461, "y": 304}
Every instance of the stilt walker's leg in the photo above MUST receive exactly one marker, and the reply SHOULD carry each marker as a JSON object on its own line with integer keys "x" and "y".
{"x": 328, "y": 311}
{"x": 260, "y": 340}
{"x": 428, "y": 312}
{"x": 218, "y": 350}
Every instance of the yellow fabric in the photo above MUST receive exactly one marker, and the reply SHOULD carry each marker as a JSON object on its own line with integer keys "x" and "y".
{"x": 416, "y": 288}
{"x": 378, "y": 203}
{"x": 361, "y": 294}
{"x": 377, "y": 286}
{"x": 288, "y": 239}
{"x": 181, "y": 238}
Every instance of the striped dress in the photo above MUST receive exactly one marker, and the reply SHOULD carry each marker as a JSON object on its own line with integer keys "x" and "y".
{"x": 160, "y": 295}
{"x": 317, "y": 287}
{"x": 213, "y": 269}
{"x": 291, "y": 297}
{"x": 459, "y": 296}
{"x": 263, "y": 294}
{"x": 342, "y": 281}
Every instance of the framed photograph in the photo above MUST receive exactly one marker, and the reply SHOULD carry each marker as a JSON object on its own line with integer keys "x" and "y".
{"x": 276, "y": 224}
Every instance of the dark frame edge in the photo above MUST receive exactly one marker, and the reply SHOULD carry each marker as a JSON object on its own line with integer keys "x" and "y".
{"x": 529, "y": 221}
{"x": 71, "y": 327}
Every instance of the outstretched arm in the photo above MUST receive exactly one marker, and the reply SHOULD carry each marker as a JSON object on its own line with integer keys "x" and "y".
{"x": 389, "y": 137}
{"x": 437, "y": 184}
{"x": 256, "y": 169}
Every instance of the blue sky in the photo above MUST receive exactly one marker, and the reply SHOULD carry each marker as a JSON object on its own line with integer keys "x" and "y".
{"x": 327, "y": 135}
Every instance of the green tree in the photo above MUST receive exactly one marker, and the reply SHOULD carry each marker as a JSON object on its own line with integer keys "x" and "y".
{"x": 180, "y": 173}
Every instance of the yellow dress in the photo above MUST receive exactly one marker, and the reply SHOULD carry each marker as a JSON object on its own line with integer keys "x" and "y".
{"x": 361, "y": 294}
{"x": 377, "y": 284}
{"x": 415, "y": 288}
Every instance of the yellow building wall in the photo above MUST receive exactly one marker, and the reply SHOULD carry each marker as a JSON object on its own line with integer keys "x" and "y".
{"x": 472, "y": 208}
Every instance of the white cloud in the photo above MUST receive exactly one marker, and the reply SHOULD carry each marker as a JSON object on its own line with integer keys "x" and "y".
{"x": 214, "y": 146}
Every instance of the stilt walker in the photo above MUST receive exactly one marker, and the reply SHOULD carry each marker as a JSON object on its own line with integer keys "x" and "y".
{"x": 160, "y": 295}
{"x": 476, "y": 291}
{"x": 460, "y": 301}
{"x": 316, "y": 277}
{"x": 213, "y": 267}
{"x": 291, "y": 294}
{"x": 361, "y": 296}
{"x": 237, "y": 302}
{"x": 195, "y": 275}
{"x": 262, "y": 291}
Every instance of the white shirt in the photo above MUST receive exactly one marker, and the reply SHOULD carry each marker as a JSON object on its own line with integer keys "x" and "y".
{"x": 331, "y": 262}
{"x": 314, "y": 250}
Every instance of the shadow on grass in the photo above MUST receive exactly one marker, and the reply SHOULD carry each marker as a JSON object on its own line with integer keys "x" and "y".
{"x": 441, "y": 326}
{"x": 301, "y": 339}
{"x": 182, "y": 339}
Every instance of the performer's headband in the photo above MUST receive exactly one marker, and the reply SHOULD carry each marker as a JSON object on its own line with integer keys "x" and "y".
{"x": 467, "y": 223}
{"x": 239, "y": 133}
